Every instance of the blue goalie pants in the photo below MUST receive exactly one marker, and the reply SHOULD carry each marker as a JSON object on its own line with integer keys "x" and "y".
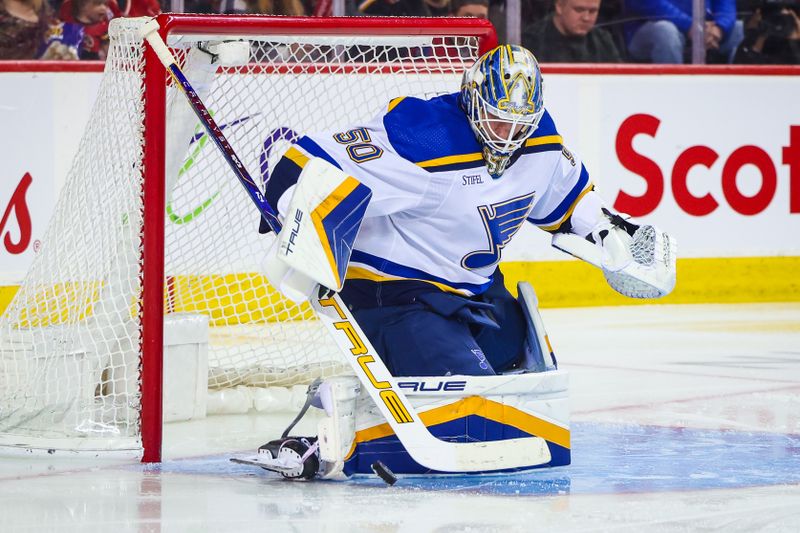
{"x": 438, "y": 333}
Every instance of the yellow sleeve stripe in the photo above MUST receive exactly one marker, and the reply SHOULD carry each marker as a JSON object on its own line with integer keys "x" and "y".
{"x": 568, "y": 214}
{"x": 394, "y": 102}
{"x": 485, "y": 408}
{"x": 450, "y": 159}
{"x": 477, "y": 156}
{"x": 354, "y": 272}
{"x": 323, "y": 210}
{"x": 547, "y": 139}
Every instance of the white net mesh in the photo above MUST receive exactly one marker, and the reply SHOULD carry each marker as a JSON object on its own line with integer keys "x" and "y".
{"x": 70, "y": 340}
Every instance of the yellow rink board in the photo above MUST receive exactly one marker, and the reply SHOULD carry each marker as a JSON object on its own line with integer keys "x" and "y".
{"x": 577, "y": 284}
{"x": 700, "y": 280}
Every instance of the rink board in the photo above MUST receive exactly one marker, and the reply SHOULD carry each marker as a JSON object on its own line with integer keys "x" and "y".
{"x": 729, "y": 190}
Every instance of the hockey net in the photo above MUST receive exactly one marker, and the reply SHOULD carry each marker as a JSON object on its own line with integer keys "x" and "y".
{"x": 73, "y": 342}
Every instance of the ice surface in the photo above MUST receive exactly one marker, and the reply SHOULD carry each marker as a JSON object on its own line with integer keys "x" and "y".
{"x": 685, "y": 418}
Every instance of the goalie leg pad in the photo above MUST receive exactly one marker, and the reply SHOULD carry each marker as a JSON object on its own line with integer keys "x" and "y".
{"x": 531, "y": 406}
{"x": 337, "y": 430}
{"x": 539, "y": 355}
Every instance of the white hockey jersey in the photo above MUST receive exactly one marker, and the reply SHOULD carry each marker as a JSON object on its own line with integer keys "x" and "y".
{"x": 436, "y": 216}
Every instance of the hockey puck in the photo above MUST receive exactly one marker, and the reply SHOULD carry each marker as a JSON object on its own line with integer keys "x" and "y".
{"x": 383, "y": 472}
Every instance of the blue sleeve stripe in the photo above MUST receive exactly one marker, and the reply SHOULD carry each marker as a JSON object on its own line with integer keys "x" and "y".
{"x": 542, "y": 148}
{"x": 546, "y": 143}
{"x": 395, "y": 272}
{"x": 316, "y": 150}
{"x": 460, "y": 165}
{"x": 475, "y": 157}
{"x": 566, "y": 203}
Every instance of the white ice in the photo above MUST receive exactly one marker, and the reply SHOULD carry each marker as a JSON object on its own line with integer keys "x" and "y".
{"x": 685, "y": 418}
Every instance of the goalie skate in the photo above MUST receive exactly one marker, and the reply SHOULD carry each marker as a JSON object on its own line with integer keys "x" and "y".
{"x": 292, "y": 457}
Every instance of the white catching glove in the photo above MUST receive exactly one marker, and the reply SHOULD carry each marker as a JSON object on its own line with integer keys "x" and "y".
{"x": 294, "y": 285}
{"x": 637, "y": 261}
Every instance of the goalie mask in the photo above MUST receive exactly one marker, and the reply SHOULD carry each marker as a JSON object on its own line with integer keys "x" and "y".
{"x": 502, "y": 97}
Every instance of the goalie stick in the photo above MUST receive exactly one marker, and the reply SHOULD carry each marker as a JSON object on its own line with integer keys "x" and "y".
{"x": 421, "y": 445}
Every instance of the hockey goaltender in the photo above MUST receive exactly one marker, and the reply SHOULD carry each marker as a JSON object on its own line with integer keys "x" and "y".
{"x": 408, "y": 215}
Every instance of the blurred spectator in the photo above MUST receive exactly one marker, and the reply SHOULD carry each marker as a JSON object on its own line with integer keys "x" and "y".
{"x": 470, "y": 8}
{"x": 202, "y": 6}
{"x": 497, "y": 15}
{"x": 772, "y": 34}
{"x": 660, "y": 31}
{"x": 62, "y": 42}
{"x": 94, "y": 15}
{"x": 536, "y": 10}
{"x": 141, "y": 8}
{"x": 531, "y": 11}
{"x": 324, "y": 8}
{"x": 438, "y": 8}
{"x": 569, "y": 35}
{"x": 395, "y": 8}
{"x": 23, "y": 26}
{"x": 276, "y": 7}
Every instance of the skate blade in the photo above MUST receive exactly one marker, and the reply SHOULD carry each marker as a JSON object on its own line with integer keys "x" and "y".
{"x": 273, "y": 465}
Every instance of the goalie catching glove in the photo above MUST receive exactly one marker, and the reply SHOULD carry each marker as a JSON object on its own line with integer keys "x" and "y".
{"x": 637, "y": 261}
{"x": 321, "y": 225}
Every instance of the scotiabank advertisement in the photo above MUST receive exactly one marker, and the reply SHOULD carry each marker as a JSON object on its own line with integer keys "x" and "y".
{"x": 42, "y": 116}
{"x": 714, "y": 159}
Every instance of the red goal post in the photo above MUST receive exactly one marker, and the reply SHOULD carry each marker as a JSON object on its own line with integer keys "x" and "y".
{"x": 151, "y": 228}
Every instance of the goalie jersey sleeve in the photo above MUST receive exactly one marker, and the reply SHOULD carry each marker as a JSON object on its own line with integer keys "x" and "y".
{"x": 436, "y": 217}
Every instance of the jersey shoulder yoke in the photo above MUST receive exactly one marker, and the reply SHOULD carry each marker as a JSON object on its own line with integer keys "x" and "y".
{"x": 432, "y": 132}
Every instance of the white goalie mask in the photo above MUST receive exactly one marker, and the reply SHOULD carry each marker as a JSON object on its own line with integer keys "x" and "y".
{"x": 502, "y": 97}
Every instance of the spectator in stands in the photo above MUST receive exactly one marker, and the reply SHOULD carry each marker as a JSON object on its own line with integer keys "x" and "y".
{"x": 203, "y": 6}
{"x": 660, "y": 31}
{"x": 772, "y": 34}
{"x": 439, "y": 8}
{"x": 142, "y": 8}
{"x": 569, "y": 35}
{"x": 23, "y": 25}
{"x": 94, "y": 16}
{"x": 461, "y": 8}
{"x": 293, "y": 8}
{"x": 497, "y": 15}
{"x": 470, "y": 8}
{"x": 395, "y": 8}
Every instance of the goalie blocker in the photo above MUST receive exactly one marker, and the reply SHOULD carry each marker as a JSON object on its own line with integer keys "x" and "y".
{"x": 323, "y": 218}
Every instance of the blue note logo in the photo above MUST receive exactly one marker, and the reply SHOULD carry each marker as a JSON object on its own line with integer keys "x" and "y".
{"x": 501, "y": 221}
